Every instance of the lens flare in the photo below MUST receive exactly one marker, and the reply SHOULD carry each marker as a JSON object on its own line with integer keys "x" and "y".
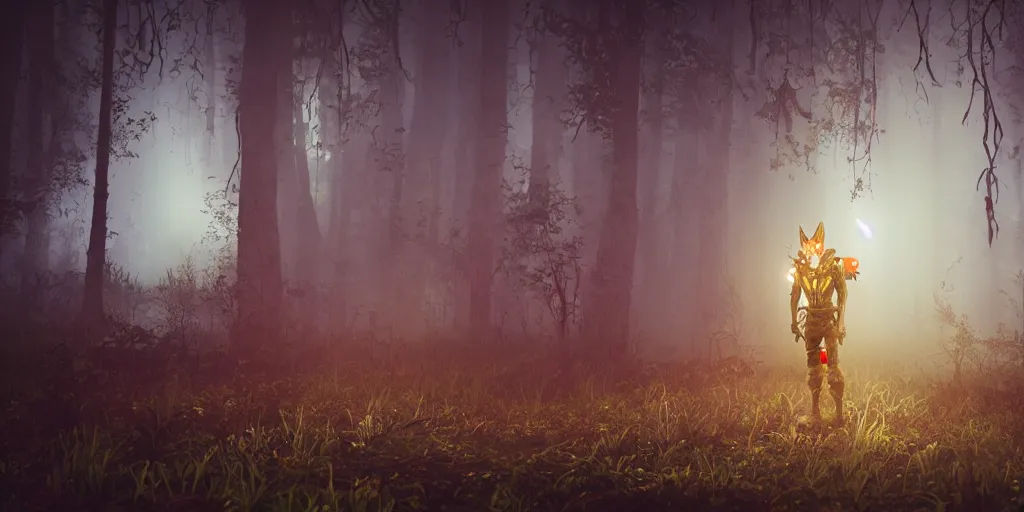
{"x": 864, "y": 228}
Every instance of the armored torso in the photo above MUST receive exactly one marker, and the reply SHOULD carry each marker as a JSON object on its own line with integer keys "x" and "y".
{"x": 818, "y": 283}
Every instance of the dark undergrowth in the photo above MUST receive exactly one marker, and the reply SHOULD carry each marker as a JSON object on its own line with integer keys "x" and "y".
{"x": 450, "y": 429}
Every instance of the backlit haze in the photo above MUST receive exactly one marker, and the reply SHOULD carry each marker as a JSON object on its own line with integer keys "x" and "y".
{"x": 918, "y": 228}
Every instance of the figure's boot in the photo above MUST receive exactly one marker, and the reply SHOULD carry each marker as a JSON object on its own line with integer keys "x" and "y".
{"x": 814, "y": 378}
{"x": 837, "y": 388}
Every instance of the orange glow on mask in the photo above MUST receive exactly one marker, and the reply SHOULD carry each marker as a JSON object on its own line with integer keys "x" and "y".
{"x": 813, "y": 248}
{"x": 813, "y": 245}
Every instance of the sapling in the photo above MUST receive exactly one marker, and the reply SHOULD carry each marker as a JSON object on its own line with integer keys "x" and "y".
{"x": 542, "y": 252}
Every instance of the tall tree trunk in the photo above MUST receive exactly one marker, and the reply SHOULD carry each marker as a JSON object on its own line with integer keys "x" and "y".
{"x": 712, "y": 222}
{"x": 349, "y": 163}
{"x": 287, "y": 181}
{"x": 591, "y": 167}
{"x": 92, "y": 303}
{"x": 681, "y": 210}
{"x": 613, "y": 272}
{"x": 374, "y": 173}
{"x": 485, "y": 204}
{"x": 550, "y": 87}
{"x": 210, "y": 82}
{"x": 421, "y": 183}
{"x": 40, "y": 140}
{"x": 388, "y": 167}
{"x": 651, "y": 304}
{"x": 467, "y": 103}
{"x": 11, "y": 43}
{"x": 231, "y": 59}
{"x": 684, "y": 207}
{"x": 333, "y": 247}
{"x": 308, "y": 227}
{"x": 259, "y": 288}
{"x": 1019, "y": 164}
{"x": 1018, "y": 98}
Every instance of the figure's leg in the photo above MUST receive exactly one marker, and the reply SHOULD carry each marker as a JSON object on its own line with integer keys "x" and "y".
{"x": 815, "y": 373}
{"x": 836, "y": 381}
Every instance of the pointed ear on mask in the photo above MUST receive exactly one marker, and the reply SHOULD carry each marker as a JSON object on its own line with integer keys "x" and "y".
{"x": 819, "y": 234}
{"x": 803, "y": 236}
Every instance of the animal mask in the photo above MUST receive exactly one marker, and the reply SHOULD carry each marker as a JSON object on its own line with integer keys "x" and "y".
{"x": 814, "y": 245}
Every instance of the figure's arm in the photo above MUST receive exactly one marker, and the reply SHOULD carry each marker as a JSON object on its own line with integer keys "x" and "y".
{"x": 794, "y": 297}
{"x": 841, "y": 296}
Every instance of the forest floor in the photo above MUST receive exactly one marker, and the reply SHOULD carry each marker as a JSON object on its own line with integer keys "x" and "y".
{"x": 425, "y": 433}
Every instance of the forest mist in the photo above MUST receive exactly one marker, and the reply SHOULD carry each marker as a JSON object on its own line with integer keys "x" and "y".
{"x": 390, "y": 122}
{"x": 400, "y": 255}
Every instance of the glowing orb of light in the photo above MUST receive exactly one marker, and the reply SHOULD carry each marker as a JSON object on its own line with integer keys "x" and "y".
{"x": 864, "y": 228}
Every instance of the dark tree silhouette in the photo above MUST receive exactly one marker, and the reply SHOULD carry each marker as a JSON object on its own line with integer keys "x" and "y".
{"x": 259, "y": 288}
{"x": 607, "y": 317}
{"x": 92, "y": 305}
{"x": 490, "y": 157}
{"x": 11, "y": 43}
{"x": 41, "y": 100}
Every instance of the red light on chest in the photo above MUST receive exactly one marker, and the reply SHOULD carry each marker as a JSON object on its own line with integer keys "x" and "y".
{"x": 824, "y": 356}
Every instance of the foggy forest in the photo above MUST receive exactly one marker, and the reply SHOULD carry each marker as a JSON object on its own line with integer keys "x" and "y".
{"x": 509, "y": 255}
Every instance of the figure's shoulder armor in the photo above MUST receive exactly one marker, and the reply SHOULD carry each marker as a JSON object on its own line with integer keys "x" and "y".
{"x": 801, "y": 266}
{"x": 851, "y": 267}
{"x": 838, "y": 269}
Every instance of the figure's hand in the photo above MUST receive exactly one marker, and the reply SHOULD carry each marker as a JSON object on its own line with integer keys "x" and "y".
{"x": 841, "y": 333}
{"x": 795, "y": 328}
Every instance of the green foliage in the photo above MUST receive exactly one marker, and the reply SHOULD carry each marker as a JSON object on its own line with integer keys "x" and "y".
{"x": 474, "y": 433}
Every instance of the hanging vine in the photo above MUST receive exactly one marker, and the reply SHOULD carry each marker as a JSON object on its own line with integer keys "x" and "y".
{"x": 772, "y": 28}
{"x": 982, "y": 63}
{"x": 834, "y": 49}
{"x": 978, "y": 30}
{"x": 852, "y": 103}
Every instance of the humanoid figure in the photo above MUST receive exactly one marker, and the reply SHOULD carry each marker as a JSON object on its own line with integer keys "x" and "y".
{"x": 817, "y": 281}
